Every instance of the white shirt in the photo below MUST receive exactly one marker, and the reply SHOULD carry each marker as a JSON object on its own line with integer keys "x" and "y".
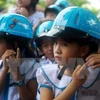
{"x": 45, "y": 61}
{"x": 47, "y": 77}
{"x": 91, "y": 88}
{"x": 36, "y": 17}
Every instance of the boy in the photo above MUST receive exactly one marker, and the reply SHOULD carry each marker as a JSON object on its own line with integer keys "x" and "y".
{"x": 45, "y": 43}
{"x": 52, "y": 11}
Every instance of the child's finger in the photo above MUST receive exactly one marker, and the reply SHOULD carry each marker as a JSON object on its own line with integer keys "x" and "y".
{"x": 93, "y": 56}
{"x": 84, "y": 68}
{"x": 77, "y": 68}
{"x": 95, "y": 66}
{"x": 83, "y": 72}
{"x": 5, "y": 62}
{"x": 80, "y": 73}
{"x": 18, "y": 53}
{"x": 93, "y": 61}
{"x": 10, "y": 53}
{"x": 90, "y": 56}
{"x": 7, "y": 54}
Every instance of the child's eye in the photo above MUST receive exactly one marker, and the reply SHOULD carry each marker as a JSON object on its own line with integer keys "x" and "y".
{"x": 64, "y": 44}
{"x": 45, "y": 45}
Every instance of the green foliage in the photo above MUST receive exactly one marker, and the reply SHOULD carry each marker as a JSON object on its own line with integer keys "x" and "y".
{"x": 84, "y": 2}
{"x": 42, "y": 3}
{"x": 2, "y": 4}
{"x": 78, "y": 2}
{"x": 5, "y": 4}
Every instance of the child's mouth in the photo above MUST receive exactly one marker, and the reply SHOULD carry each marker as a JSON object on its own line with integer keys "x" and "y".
{"x": 57, "y": 58}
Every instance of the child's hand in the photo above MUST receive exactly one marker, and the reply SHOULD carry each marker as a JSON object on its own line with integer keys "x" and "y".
{"x": 5, "y": 56}
{"x": 14, "y": 62}
{"x": 80, "y": 75}
{"x": 22, "y": 11}
{"x": 93, "y": 60}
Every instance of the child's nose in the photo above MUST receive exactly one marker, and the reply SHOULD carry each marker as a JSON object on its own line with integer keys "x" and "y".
{"x": 50, "y": 48}
{"x": 57, "y": 49}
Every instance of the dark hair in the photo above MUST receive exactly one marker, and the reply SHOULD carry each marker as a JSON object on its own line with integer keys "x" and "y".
{"x": 71, "y": 35}
{"x": 33, "y": 4}
{"x": 51, "y": 10}
{"x": 39, "y": 41}
{"x": 93, "y": 46}
{"x": 22, "y": 43}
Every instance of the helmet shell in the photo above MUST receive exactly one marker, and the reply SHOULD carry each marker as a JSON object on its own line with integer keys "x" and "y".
{"x": 15, "y": 24}
{"x": 76, "y": 18}
{"x": 43, "y": 28}
{"x": 42, "y": 31}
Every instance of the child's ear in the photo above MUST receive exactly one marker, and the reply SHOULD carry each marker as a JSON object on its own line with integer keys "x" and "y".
{"x": 84, "y": 50}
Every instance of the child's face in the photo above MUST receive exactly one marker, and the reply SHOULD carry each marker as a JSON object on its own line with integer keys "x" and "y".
{"x": 23, "y": 3}
{"x": 51, "y": 15}
{"x": 63, "y": 51}
{"x": 49, "y": 2}
{"x": 47, "y": 47}
{"x": 3, "y": 47}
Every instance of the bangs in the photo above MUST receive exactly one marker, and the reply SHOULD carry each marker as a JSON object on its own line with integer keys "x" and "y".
{"x": 79, "y": 41}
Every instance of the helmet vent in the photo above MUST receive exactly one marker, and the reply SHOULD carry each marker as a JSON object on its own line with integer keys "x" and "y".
{"x": 58, "y": 26}
{"x": 77, "y": 19}
{"x": 7, "y": 33}
{"x": 46, "y": 30}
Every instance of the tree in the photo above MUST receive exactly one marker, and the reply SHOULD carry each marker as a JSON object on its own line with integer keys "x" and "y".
{"x": 78, "y": 2}
{"x": 5, "y": 4}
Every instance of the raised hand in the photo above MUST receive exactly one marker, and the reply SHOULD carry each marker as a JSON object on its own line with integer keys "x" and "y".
{"x": 14, "y": 63}
{"x": 93, "y": 60}
{"x": 5, "y": 57}
{"x": 80, "y": 75}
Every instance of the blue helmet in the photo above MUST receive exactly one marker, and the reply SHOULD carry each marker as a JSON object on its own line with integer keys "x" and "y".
{"x": 62, "y": 3}
{"x": 42, "y": 30}
{"x": 16, "y": 25}
{"x": 76, "y": 22}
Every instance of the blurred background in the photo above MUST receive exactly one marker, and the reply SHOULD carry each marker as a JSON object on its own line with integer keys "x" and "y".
{"x": 93, "y": 5}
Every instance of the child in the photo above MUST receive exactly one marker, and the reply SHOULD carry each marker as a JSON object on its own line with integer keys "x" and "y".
{"x": 50, "y": 14}
{"x": 44, "y": 43}
{"x": 77, "y": 31}
{"x": 52, "y": 11}
{"x": 30, "y": 5}
{"x": 17, "y": 75}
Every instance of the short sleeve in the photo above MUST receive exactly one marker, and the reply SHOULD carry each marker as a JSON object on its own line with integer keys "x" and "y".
{"x": 31, "y": 74}
{"x": 42, "y": 80}
{"x": 35, "y": 67}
